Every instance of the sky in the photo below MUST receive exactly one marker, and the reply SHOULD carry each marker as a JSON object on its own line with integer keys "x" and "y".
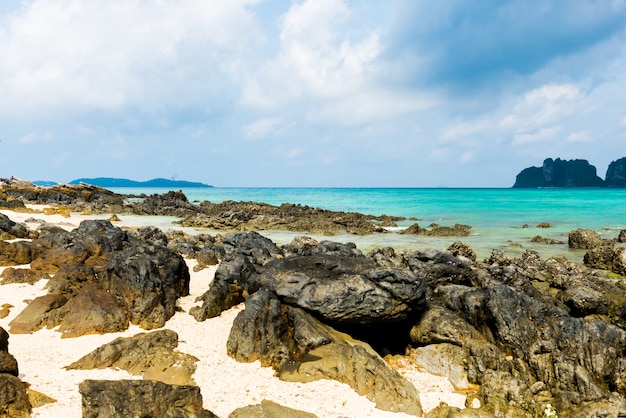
{"x": 309, "y": 93}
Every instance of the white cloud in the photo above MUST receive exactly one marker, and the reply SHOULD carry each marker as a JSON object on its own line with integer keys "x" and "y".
{"x": 465, "y": 129}
{"x": 262, "y": 128}
{"x": 580, "y": 136}
{"x": 467, "y": 157}
{"x": 33, "y": 137}
{"x": 324, "y": 65}
{"x": 623, "y": 123}
{"x": 61, "y": 55}
{"x": 536, "y": 136}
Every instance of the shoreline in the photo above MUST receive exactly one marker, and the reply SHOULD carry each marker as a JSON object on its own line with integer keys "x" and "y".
{"x": 225, "y": 384}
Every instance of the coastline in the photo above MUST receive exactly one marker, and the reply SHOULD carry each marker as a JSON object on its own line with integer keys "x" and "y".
{"x": 225, "y": 383}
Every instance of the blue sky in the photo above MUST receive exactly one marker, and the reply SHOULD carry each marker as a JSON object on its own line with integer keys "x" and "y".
{"x": 404, "y": 93}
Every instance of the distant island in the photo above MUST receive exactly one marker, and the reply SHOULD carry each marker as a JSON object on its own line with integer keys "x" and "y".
{"x": 107, "y": 182}
{"x": 571, "y": 173}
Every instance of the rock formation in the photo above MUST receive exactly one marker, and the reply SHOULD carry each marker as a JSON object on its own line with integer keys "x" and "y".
{"x": 571, "y": 173}
{"x": 616, "y": 173}
{"x": 14, "y": 401}
{"x": 141, "y": 398}
{"x": 559, "y": 173}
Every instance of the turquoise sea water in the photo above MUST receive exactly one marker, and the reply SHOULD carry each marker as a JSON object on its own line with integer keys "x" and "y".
{"x": 497, "y": 216}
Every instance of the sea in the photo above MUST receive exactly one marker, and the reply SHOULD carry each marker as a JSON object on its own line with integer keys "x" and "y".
{"x": 505, "y": 219}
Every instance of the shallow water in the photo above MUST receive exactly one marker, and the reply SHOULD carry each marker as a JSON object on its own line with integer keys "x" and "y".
{"x": 497, "y": 216}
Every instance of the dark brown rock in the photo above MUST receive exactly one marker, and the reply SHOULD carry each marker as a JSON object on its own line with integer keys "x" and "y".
{"x": 21, "y": 275}
{"x": 268, "y": 409}
{"x": 151, "y": 355}
{"x": 458, "y": 248}
{"x": 13, "y": 397}
{"x": 141, "y": 398}
{"x": 303, "y": 349}
{"x": 584, "y": 239}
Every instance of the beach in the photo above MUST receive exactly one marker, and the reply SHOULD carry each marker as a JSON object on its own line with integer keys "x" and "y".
{"x": 225, "y": 383}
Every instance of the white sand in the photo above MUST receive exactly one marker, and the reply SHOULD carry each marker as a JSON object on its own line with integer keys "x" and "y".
{"x": 225, "y": 384}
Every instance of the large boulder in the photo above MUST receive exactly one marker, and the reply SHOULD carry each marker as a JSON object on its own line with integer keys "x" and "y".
{"x": 584, "y": 239}
{"x": 343, "y": 290}
{"x": 303, "y": 349}
{"x": 140, "y": 398}
{"x": 104, "y": 280}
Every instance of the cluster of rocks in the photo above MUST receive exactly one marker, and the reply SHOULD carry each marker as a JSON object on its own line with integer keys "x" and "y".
{"x": 13, "y": 392}
{"x": 516, "y": 334}
{"x": 225, "y": 216}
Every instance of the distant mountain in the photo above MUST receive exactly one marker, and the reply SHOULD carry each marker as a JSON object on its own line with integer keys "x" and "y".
{"x": 571, "y": 173}
{"x": 114, "y": 182}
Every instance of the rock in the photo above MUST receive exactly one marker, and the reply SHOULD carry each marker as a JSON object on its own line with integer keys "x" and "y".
{"x": 616, "y": 173}
{"x": 458, "y": 248}
{"x": 303, "y": 349}
{"x": 150, "y": 355}
{"x": 437, "y": 267}
{"x": 13, "y": 392}
{"x": 92, "y": 311}
{"x": 38, "y": 399}
{"x": 141, "y": 398}
{"x": 446, "y": 411}
{"x": 253, "y": 216}
{"x": 16, "y": 253}
{"x": 584, "y": 239}
{"x": 309, "y": 246}
{"x": 544, "y": 240}
{"x": 559, "y": 173}
{"x": 607, "y": 257}
{"x": 445, "y": 360}
{"x": 13, "y": 397}
{"x": 21, "y": 275}
{"x": 622, "y": 236}
{"x": 343, "y": 290}
{"x": 109, "y": 279}
{"x": 150, "y": 235}
{"x": 436, "y": 230}
{"x": 544, "y": 225}
{"x": 268, "y": 409}
{"x": 227, "y": 288}
{"x": 172, "y": 203}
{"x": 10, "y": 229}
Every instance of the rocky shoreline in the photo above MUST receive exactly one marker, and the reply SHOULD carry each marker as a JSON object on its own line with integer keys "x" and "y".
{"x": 518, "y": 336}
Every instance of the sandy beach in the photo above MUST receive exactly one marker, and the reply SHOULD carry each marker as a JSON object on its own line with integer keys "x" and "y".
{"x": 225, "y": 384}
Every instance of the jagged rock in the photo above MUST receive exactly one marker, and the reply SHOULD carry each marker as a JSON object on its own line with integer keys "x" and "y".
{"x": 140, "y": 398}
{"x": 499, "y": 258}
{"x": 458, "y": 248}
{"x": 151, "y": 355}
{"x": 104, "y": 279}
{"x": 10, "y": 229}
{"x": 446, "y": 411}
{"x": 559, "y": 173}
{"x": 544, "y": 240}
{"x": 622, "y": 236}
{"x": 13, "y": 392}
{"x": 16, "y": 253}
{"x": 38, "y": 399}
{"x": 544, "y": 225}
{"x": 13, "y": 397}
{"x": 437, "y": 267}
{"x": 21, "y": 275}
{"x": 584, "y": 239}
{"x": 616, "y": 173}
{"x": 253, "y": 216}
{"x": 303, "y": 349}
{"x": 436, "y": 230}
{"x": 607, "y": 257}
{"x": 571, "y": 356}
{"x": 445, "y": 360}
{"x": 269, "y": 409}
{"x": 227, "y": 288}
{"x": 172, "y": 203}
{"x": 309, "y": 246}
{"x": 343, "y": 290}
{"x": 151, "y": 235}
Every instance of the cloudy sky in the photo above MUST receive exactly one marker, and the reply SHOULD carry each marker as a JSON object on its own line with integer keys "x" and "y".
{"x": 406, "y": 93}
